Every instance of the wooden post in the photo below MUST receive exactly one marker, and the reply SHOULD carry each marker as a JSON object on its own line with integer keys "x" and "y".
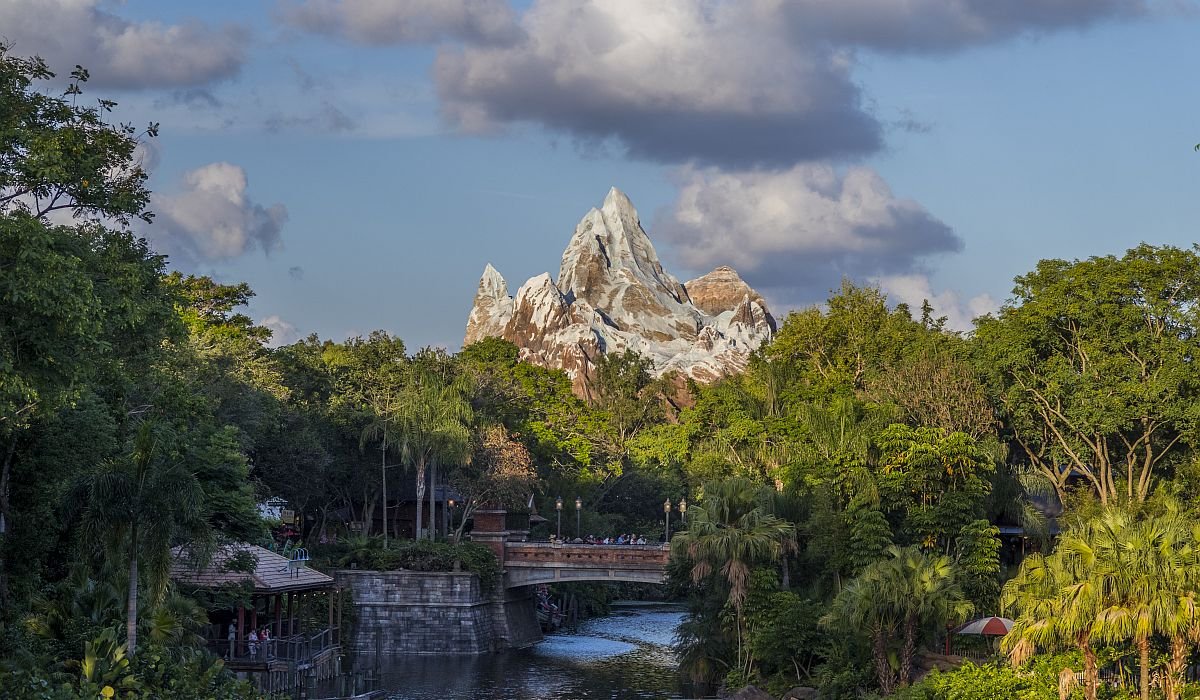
{"x": 254, "y": 615}
{"x": 339, "y": 614}
{"x": 329, "y": 597}
{"x": 291, "y": 614}
{"x": 241, "y": 630}
{"x": 278, "y": 632}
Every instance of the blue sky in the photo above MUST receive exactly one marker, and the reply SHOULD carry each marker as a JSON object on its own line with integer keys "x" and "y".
{"x": 359, "y": 161}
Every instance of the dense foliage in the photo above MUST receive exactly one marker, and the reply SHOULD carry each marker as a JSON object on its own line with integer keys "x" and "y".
{"x": 847, "y": 492}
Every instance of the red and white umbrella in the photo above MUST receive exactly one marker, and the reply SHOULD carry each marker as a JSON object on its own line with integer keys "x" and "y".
{"x": 987, "y": 626}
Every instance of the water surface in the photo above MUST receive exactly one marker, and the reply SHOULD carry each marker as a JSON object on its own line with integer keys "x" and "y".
{"x": 624, "y": 656}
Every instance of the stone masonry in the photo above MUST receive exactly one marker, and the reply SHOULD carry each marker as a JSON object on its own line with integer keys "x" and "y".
{"x": 415, "y": 612}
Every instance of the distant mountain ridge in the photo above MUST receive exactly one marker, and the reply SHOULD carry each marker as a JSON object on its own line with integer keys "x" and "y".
{"x": 612, "y": 294}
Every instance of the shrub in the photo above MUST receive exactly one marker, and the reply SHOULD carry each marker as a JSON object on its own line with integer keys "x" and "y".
{"x": 418, "y": 555}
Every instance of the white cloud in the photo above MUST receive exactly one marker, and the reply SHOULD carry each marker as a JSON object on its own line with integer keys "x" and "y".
{"x": 914, "y": 290}
{"x": 211, "y": 218}
{"x": 799, "y": 231}
{"x": 282, "y": 332}
{"x": 381, "y": 22}
{"x": 671, "y": 80}
{"x": 735, "y": 83}
{"x": 118, "y": 52}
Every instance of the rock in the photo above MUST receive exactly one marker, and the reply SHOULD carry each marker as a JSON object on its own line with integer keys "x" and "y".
{"x": 800, "y": 693}
{"x": 613, "y": 294}
{"x": 750, "y": 693}
{"x": 723, "y": 290}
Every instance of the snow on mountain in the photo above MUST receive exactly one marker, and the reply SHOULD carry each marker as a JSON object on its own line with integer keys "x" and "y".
{"x": 613, "y": 293}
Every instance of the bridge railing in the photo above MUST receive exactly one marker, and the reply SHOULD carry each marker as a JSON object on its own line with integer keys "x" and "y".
{"x": 585, "y": 555}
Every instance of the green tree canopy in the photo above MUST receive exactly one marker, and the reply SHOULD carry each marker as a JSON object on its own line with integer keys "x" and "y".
{"x": 1092, "y": 362}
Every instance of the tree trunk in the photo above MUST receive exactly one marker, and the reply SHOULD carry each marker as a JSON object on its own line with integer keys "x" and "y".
{"x": 1143, "y": 646}
{"x": 5, "y": 519}
{"x": 1175, "y": 667}
{"x": 909, "y": 650}
{"x": 420, "y": 497}
{"x": 131, "y": 603}
{"x": 1091, "y": 677}
{"x": 883, "y": 670}
{"x": 433, "y": 499}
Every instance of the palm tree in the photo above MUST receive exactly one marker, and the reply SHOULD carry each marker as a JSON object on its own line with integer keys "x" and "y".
{"x": 1115, "y": 578}
{"x": 1054, "y": 606}
{"x": 1143, "y": 567}
{"x": 138, "y": 507}
{"x": 729, "y": 532}
{"x": 909, "y": 594}
{"x": 431, "y": 419}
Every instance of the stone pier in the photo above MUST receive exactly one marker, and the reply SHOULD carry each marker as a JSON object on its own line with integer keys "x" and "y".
{"x": 417, "y": 612}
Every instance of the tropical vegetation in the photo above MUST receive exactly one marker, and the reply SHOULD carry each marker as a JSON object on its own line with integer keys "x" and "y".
{"x": 847, "y": 493}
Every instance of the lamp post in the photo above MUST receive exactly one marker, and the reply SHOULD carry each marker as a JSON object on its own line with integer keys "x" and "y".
{"x": 578, "y": 508}
{"x": 558, "y": 507}
{"x": 683, "y": 510}
{"x": 667, "y": 511}
{"x": 450, "y": 513}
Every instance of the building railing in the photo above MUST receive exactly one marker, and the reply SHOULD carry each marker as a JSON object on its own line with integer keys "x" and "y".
{"x": 297, "y": 648}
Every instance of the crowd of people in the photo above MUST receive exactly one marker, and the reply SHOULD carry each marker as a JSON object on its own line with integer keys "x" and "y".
{"x": 632, "y": 538}
{"x": 258, "y": 642}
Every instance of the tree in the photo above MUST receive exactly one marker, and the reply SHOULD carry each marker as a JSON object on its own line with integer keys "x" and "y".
{"x": 74, "y": 300}
{"x": 1117, "y": 577}
{"x": 431, "y": 419}
{"x": 728, "y": 533}
{"x": 367, "y": 377}
{"x": 903, "y": 598}
{"x": 1140, "y": 568}
{"x": 56, "y": 155}
{"x": 978, "y": 561}
{"x": 1053, "y": 608}
{"x": 140, "y": 506}
{"x": 499, "y": 472}
{"x": 843, "y": 349}
{"x": 936, "y": 482}
{"x": 1091, "y": 362}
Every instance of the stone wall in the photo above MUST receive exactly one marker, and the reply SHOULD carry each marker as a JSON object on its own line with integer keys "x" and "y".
{"x": 415, "y": 612}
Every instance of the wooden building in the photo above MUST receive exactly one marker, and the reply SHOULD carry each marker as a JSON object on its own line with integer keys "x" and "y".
{"x": 298, "y": 606}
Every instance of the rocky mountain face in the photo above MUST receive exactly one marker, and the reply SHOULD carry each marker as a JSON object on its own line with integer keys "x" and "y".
{"x": 612, "y": 294}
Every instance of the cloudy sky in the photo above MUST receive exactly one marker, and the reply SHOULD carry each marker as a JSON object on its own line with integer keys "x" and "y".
{"x": 359, "y": 161}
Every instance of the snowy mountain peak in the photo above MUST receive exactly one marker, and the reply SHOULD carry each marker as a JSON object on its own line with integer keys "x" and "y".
{"x": 613, "y": 293}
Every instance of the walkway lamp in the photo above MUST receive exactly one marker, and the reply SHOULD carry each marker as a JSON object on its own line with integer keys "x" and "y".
{"x": 558, "y": 507}
{"x": 683, "y": 510}
{"x": 578, "y": 508}
{"x": 450, "y": 510}
{"x": 667, "y": 511}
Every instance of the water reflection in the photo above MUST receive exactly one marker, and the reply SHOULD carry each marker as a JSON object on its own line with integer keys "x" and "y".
{"x": 623, "y": 656}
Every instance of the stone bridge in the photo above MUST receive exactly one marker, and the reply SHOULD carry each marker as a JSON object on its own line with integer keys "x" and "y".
{"x": 529, "y": 563}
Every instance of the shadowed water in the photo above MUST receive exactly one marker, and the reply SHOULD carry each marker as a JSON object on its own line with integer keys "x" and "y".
{"x": 626, "y": 655}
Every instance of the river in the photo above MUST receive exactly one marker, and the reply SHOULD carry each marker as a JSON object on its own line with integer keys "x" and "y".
{"x": 623, "y": 656}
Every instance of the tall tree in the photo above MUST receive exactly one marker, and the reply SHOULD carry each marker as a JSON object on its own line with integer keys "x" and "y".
{"x": 55, "y": 301}
{"x": 139, "y": 506}
{"x": 1092, "y": 363}
{"x": 728, "y": 534}
{"x": 432, "y": 419}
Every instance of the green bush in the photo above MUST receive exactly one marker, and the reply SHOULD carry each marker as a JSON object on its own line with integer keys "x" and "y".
{"x": 973, "y": 682}
{"x": 410, "y": 555}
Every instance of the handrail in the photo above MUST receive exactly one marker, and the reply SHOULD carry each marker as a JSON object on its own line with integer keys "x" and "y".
{"x": 297, "y": 648}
